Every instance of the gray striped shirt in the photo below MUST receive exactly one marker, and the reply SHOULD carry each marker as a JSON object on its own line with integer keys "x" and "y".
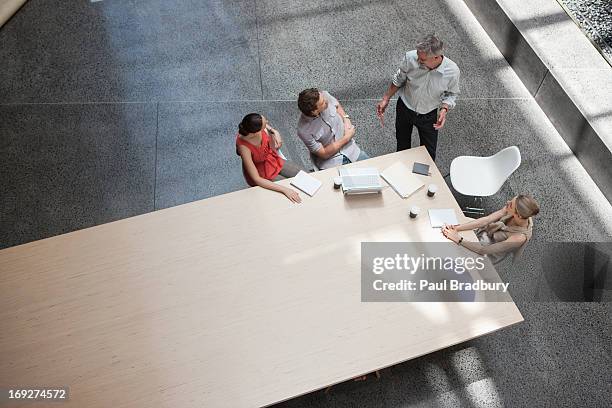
{"x": 424, "y": 90}
{"x": 323, "y": 130}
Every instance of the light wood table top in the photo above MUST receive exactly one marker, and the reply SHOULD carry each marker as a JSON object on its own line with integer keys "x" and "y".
{"x": 8, "y": 8}
{"x": 241, "y": 300}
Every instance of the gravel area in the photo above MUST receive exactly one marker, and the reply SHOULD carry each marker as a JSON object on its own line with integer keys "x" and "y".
{"x": 595, "y": 17}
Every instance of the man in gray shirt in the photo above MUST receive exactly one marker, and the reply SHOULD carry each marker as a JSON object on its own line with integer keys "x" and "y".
{"x": 326, "y": 130}
{"x": 430, "y": 84}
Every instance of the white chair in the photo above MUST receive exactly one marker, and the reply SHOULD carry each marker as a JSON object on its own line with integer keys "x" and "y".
{"x": 483, "y": 176}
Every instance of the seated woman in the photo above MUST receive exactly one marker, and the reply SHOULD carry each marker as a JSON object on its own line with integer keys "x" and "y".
{"x": 257, "y": 145}
{"x": 505, "y": 231}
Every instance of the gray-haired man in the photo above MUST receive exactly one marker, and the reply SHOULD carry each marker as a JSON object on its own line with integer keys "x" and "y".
{"x": 430, "y": 85}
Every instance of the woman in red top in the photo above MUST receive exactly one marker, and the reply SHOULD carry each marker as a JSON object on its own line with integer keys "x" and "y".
{"x": 257, "y": 145}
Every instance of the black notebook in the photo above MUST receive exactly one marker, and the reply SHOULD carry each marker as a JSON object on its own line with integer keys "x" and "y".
{"x": 420, "y": 168}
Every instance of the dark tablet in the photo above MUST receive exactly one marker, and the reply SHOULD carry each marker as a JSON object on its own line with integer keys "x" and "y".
{"x": 420, "y": 168}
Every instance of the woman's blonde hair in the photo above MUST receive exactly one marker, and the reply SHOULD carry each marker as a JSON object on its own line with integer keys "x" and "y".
{"x": 526, "y": 206}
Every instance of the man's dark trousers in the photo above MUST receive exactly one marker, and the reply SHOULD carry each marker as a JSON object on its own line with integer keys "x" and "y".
{"x": 405, "y": 119}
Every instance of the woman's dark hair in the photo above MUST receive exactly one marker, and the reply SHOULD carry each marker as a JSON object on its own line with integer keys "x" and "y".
{"x": 307, "y": 101}
{"x": 251, "y": 123}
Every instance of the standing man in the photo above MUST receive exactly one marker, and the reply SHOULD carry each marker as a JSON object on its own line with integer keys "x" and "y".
{"x": 326, "y": 130}
{"x": 429, "y": 84}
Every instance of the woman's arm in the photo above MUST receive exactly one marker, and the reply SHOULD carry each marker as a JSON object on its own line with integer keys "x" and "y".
{"x": 251, "y": 170}
{"x": 481, "y": 222}
{"x": 509, "y": 245}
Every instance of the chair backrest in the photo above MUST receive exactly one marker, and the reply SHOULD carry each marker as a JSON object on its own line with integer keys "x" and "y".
{"x": 505, "y": 162}
{"x": 484, "y": 176}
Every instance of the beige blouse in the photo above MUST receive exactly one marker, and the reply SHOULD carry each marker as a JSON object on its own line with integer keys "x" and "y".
{"x": 493, "y": 239}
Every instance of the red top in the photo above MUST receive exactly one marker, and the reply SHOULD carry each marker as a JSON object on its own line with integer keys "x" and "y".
{"x": 266, "y": 159}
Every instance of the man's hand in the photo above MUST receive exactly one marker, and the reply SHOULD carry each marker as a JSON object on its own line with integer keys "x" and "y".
{"x": 380, "y": 110}
{"x": 349, "y": 133}
{"x": 441, "y": 120}
{"x": 347, "y": 124}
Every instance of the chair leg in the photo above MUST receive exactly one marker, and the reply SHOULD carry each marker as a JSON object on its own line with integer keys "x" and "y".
{"x": 476, "y": 209}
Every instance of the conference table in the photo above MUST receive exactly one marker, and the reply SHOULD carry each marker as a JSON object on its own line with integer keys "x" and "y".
{"x": 243, "y": 300}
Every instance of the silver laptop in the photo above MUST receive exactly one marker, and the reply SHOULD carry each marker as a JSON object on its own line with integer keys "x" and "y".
{"x": 363, "y": 180}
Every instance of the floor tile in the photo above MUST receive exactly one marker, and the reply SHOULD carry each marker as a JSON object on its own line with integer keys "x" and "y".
{"x": 56, "y": 51}
{"x": 67, "y": 167}
{"x": 323, "y": 45}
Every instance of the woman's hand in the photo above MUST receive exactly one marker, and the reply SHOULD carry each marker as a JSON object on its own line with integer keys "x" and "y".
{"x": 450, "y": 232}
{"x": 277, "y": 140}
{"x": 292, "y": 195}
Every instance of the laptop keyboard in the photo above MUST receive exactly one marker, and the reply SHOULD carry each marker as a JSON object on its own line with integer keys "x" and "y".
{"x": 365, "y": 181}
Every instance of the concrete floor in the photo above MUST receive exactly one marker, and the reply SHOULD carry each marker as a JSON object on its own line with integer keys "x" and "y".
{"x": 595, "y": 18}
{"x": 117, "y": 108}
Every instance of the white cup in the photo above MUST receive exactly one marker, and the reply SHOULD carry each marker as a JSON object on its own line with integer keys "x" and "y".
{"x": 337, "y": 182}
{"x": 414, "y": 211}
{"x": 431, "y": 190}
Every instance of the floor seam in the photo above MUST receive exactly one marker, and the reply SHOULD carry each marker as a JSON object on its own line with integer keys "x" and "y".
{"x": 155, "y": 160}
{"x": 541, "y": 82}
{"x": 233, "y": 100}
{"x": 79, "y": 103}
{"x": 258, "y": 50}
